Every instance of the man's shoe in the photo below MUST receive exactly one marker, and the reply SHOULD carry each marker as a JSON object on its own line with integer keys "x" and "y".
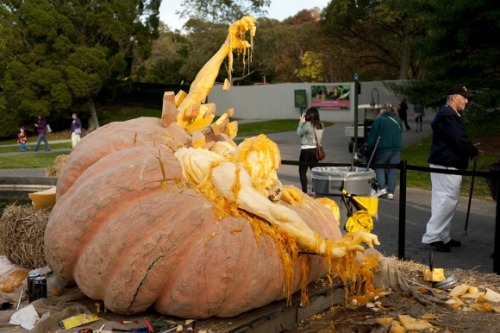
{"x": 454, "y": 243}
{"x": 440, "y": 246}
{"x": 382, "y": 193}
{"x": 390, "y": 196}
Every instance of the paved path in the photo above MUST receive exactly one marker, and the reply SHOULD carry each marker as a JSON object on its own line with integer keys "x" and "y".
{"x": 476, "y": 248}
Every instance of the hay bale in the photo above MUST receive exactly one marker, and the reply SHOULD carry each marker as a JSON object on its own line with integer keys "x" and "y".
{"x": 22, "y": 229}
{"x": 55, "y": 169}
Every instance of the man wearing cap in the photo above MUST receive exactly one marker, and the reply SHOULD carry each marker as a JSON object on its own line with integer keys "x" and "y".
{"x": 450, "y": 149}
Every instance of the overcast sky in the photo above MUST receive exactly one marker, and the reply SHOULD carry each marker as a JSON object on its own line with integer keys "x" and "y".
{"x": 280, "y": 9}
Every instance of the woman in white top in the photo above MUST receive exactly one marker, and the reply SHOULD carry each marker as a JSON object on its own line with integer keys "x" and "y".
{"x": 309, "y": 122}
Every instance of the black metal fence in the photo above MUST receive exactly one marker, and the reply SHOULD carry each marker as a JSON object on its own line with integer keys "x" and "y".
{"x": 404, "y": 167}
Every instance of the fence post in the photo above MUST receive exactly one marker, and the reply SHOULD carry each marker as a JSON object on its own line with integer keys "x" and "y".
{"x": 402, "y": 208}
{"x": 496, "y": 246}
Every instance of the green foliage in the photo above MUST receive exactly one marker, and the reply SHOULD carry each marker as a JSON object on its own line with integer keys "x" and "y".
{"x": 279, "y": 46}
{"x": 204, "y": 40}
{"x": 382, "y": 36}
{"x": 169, "y": 54}
{"x": 222, "y": 11}
{"x": 458, "y": 49}
{"x": 312, "y": 67}
{"x": 65, "y": 54}
{"x": 8, "y": 119}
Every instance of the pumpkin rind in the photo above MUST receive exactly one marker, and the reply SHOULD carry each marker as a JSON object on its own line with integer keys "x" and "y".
{"x": 130, "y": 232}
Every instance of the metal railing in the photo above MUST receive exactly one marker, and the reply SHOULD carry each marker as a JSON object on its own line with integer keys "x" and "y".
{"x": 20, "y": 187}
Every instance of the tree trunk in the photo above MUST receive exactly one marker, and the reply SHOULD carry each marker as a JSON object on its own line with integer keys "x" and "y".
{"x": 405, "y": 56}
{"x": 93, "y": 120}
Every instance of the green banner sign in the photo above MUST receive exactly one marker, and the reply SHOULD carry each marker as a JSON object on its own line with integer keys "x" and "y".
{"x": 300, "y": 99}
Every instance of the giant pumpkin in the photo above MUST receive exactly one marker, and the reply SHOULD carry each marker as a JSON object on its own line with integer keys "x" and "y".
{"x": 169, "y": 213}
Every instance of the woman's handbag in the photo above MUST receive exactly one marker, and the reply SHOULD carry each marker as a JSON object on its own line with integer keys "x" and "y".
{"x": 320, "y": 153}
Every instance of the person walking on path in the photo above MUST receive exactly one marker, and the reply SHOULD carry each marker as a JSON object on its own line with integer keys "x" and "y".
{"x": 308, "y": 124}
{"x": 41, "y": 126}
{"x": 451, "y": 149}
{"x": 389, "y": 128}
{"x": 21, "y": 139}
{"x": 403, "y": 113}
{"x": 418, "y": 109}
{"x": 76, "y": 130}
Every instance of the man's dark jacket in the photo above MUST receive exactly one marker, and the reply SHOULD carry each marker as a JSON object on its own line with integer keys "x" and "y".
{"x": 450, "y": 145}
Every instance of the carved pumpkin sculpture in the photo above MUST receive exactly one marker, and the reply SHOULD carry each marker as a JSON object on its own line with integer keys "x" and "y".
{"x": 169, "y": 213}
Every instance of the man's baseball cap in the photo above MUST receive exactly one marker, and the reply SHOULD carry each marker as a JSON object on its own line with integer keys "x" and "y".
{"x": 459, "y": 90}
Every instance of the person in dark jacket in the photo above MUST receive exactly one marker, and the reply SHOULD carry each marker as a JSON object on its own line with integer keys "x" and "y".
{"x": 388, "y": 127}
{"x": 450, "y": 149}
{"x": 41, "y": 126}
{"x": 403, "y": 114}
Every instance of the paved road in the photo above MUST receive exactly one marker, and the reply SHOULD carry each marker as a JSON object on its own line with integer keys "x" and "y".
{"x": 477, "y": 245}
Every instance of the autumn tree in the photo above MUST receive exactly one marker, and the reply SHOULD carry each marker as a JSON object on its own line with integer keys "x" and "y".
{"x": 382, "y": 35}
{"x": 66, "y": 55}
{"x": 279, "y": 45}
{"x": 222, "y": 11}
{"x": 312, "y": 67}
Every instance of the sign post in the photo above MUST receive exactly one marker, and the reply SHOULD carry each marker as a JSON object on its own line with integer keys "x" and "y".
{"x": 357, "y": 90}
{"x": 300, "y": 99}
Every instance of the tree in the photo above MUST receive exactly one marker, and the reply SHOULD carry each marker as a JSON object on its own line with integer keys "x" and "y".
{"x": 69, "y": 54}
{"x": 204, "y": 39}
{"x": 8, "y": 119}
{"x": 381, "y": 34}
{"x": 279, "y": 46}
{"x": 312, "y": 69}
{"x": 222, "y": 11}
{"x": 276, "y": 55}
{"x": 169, "y": 54}
{"x": 458, "y": 49}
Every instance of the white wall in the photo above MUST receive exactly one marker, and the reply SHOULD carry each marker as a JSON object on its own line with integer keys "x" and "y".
{"x": 276, "y": 101}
